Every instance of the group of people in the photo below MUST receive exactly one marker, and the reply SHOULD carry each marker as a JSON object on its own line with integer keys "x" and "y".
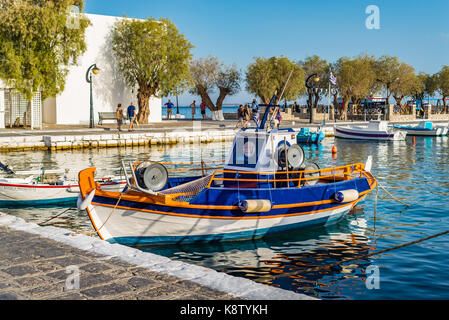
{"x": 131, "y": 113}
{"x": 247, "y": 113}
{"x": 170, "y": 106}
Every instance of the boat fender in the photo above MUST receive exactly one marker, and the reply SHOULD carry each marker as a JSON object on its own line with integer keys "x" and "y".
{"x": 251, "y": 206}
{"x": 83, "y": 204}
{"x": 346, "y": 196}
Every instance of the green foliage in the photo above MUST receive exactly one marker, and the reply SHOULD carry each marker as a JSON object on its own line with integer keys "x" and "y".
{"x": 315, "y": 65}
{"x": 443, "y": 81}
{"x": 38, "y": 42}
{"x": 209, "y": 74}
{"x": 266, "y": 75}
{"x": 152, "y": 55}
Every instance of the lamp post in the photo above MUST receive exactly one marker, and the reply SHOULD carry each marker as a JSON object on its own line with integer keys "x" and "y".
{"x": 310, "y": 85}
{"x": 92, "y": 69}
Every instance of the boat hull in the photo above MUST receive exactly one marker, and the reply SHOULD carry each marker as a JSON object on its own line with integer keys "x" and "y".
{"x": 349, "y": 133}
{"x": 35, "y": 195}
{"x": 424, "y": 132}
{"x": 130, "y": 227}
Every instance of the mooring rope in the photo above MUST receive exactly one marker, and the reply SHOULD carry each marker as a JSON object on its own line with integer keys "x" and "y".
{"x": 331, "y": 265}
{"x": 42, "y": 224}
{"x": 110, "y": 214}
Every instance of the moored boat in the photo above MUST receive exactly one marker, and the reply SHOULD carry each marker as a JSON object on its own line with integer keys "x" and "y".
{"x": 424, "y": 128}
{"x": 32, "y": 191}
{"x": 375, "y": 130}
{"x": 306, "y": 136}
{"x": 264, "y": 188}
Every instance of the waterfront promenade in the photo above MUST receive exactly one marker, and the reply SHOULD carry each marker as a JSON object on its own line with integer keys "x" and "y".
{"x": 65, "y": 137}
{"x": 48, "y": 263}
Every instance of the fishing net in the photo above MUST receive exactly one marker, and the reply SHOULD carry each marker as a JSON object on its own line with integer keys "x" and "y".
{"x": 189, "y": 190}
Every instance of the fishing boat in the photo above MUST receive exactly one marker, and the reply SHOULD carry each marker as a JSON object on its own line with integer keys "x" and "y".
{"x": 375, "y": 130}
{"x": 264, "y": 188}
{"x": 305, "y": 136}
{"x": 47, "y": 189}
{"x": 424, "y": 128}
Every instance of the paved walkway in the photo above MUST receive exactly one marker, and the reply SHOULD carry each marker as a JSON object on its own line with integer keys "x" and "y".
{"x": 48, "y": 263}
{"x": 33, "y": 267}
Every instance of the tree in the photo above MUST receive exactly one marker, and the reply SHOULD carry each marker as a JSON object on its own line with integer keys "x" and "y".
{"x": 316, "y": 65}
{"x": 39, "y": 41}
{"x": 427, "y": 85}
{"x": 443, "y": 85}
{"x": 405, "y": 84}
{"x": 265, "y": 75}
{"x": 209, "y": 74}
{"x": 152, "y": 55}
{"x": 356, "y": 79}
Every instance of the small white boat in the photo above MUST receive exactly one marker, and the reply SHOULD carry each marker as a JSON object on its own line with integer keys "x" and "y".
{"x": 375, "y": 130}
{"x": 31, "y": 191}
{"x": 424, "y": 128}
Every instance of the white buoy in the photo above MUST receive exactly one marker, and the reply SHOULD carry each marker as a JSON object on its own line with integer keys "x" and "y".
{"x": 346, "y": 196}
{"x": 83, "y": 204}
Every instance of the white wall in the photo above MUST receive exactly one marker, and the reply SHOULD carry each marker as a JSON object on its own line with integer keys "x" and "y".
{"x": 73, "y": 105}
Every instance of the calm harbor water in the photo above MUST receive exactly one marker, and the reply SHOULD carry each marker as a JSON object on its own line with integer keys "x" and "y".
{"x": 417, "y": 174}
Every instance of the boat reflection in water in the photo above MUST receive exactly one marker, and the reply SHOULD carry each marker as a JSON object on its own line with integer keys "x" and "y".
{"x": 297, "y": 254}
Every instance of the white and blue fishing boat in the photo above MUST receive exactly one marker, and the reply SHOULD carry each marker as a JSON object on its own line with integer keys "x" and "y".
{"x": 264, "y": 188}
{"x": 375, "y": 130}
{"x": 305, "y": 136}
{"x": 424, "y": 128}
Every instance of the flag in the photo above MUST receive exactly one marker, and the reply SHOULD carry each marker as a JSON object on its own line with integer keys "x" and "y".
{"x": 333, "y": 79}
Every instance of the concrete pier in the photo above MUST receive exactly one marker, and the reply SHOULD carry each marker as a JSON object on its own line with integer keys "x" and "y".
{"x": 56, "y": 264}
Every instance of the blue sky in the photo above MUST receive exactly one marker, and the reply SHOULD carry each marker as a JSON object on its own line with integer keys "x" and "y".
{"x": 237, "y": 31}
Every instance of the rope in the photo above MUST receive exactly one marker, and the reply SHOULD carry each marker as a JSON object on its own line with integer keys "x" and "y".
{"x": 329, "y": 266}
{"x": 110, "y": 214}
{"x": 42, "y": 224}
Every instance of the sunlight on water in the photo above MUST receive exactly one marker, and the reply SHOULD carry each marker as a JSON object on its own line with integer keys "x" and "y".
{"x": 417, "y": 175}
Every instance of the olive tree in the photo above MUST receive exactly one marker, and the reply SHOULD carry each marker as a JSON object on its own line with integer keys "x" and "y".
{"x": 266, "y": 75}
{"x": 39, "y": 41}
{"x": 152, "y": 55}
{"x": 443, "y": 85}
{"x": 208, "y": 75}
{"x": 315, "y": 65}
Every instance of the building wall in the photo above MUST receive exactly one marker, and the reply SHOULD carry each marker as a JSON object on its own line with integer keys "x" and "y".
{"x": 73, "y": 105}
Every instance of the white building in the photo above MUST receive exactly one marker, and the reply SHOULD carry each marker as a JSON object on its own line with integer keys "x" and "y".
{"x": 72, "y": 106}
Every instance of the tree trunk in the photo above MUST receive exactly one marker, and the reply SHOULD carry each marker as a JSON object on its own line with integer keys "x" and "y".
{"x": 399, "y": 102}
{"x": 143, "y": 99}
{"x": 445, "y": 106}
{"x": 344, "y": 113}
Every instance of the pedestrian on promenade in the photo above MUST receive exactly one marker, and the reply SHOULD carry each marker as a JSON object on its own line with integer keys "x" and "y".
{"x": 193, "y": 107}
{"x": 277, "y": 117}
{"x": 119, "y": 116}
{"x": 203, "y": 109}
{"x": 169, "y": 106}
{"x": 240, "y": 117}
{"x": 131, "y": 116}
{"x": 246, "y": 115}
{"x": 255, "y": 112}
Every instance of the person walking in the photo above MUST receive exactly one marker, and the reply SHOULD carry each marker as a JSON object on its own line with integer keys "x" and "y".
{"x": 169, "y": 106}
{"x": 131, "y": 116}
{"x": 255, "y": 112}
{"x": 277, "y": 117}
{"x": 240, "y": 116}
{"x": 203, "y": 109}
{"x": 193, "y": 107}
{"x": 119, "y": 116}
{"x": 246, "y": 115}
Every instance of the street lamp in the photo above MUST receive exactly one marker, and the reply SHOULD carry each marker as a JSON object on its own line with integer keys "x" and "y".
{"x": 92, "y": 69}
{"x": 310, "y": 85}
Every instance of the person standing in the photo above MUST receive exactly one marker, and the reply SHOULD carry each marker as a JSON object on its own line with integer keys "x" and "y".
{"x": 131, "y": 116}
{"x": 193, "y": 107}
{"x": 240, "y": 116}
{"x": 119, "y": 116}
{"x": 203, "y": 109}
{"x": 169, "y": 106}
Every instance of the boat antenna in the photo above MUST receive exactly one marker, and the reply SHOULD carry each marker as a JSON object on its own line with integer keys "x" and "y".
{"x": 267, "y": 110}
